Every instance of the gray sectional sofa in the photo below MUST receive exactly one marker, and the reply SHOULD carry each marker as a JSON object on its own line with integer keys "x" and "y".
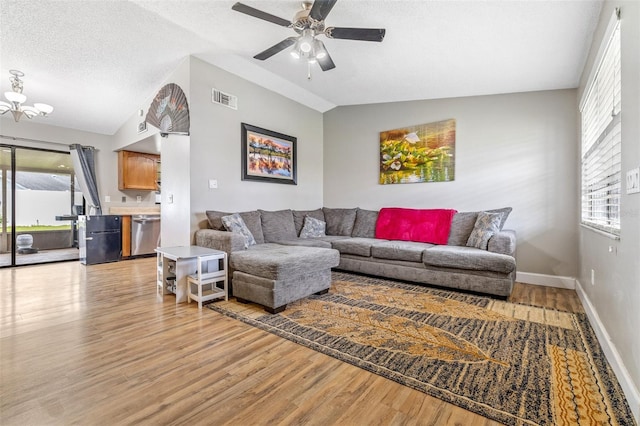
{"x": 351, "y": 245}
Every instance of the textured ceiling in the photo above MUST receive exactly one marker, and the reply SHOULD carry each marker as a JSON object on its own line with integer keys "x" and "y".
{"x": 96, "y": 61}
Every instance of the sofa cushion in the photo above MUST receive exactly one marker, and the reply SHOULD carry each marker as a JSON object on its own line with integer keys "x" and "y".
{"x": 251, "y": 219}
{"x": 463, "y": 222}
{"x": 487, "y": 224}
{"x": 283, "y": 262}
{"x": 299, "y": 215}
{"x": 461, "y": 227}
{"x": 503, "y": 242}
{"x": 215, "y": 219}
{"x": 277, "y": 225}
{"x": 331, "y": 238}
{"x": 357, "y": 246}
{"x": 339, "y": 221}
{"x": 468, "y": 258}
{"x": 365, "y": 224}
{"x": 420, "y": 225}
{"x": 313, "y": 228}
{"x": 306, "y": 242}
{"x": 399, "y": 250}
{"x": 234, "y": 223}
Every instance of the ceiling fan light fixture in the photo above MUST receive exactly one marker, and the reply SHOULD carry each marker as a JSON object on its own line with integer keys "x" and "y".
{"x": 319, "y": 50}
{"x": 305, "y": 44}
{"x": 309, "y": 23}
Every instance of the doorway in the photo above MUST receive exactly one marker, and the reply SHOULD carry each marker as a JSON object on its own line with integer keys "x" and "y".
{"x": 39, "y": 205}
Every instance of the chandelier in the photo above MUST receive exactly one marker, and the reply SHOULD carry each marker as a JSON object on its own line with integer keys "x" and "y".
{"x": 16, "y": 99}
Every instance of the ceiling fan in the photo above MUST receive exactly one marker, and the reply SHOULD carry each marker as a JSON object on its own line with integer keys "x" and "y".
{"x": 309, "y": 24}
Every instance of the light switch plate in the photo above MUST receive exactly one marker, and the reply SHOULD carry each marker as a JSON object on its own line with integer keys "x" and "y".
{"x": 633, "y": 181}
{"x": 213, "y": 184}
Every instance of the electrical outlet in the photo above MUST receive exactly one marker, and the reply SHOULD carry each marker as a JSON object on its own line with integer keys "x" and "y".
{"x": 124, "y": 199}
{"x": 213, "y": 184}
{"x": 170, "y": 199}
{"x": 107, "y": 198}
{"x": 138, "y": 198}
{"x": 593, "y": 277}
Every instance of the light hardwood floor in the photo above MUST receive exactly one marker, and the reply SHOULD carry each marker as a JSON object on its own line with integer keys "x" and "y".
{"x": 93, "y": 345}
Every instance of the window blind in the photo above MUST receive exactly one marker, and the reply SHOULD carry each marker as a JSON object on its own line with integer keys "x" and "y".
{"x": 601, "y": 141}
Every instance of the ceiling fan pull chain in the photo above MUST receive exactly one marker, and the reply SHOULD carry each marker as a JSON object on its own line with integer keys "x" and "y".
{"x": 308, "y": 70}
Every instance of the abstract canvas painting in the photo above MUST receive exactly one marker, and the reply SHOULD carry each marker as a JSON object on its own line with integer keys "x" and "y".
{"x": 422, "y": 153}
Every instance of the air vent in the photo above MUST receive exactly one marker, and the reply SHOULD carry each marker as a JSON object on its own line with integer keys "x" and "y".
{"x": 219, "y": 97}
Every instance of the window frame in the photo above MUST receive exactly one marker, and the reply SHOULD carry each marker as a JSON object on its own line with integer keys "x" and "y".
{"x": 601, "y": 138}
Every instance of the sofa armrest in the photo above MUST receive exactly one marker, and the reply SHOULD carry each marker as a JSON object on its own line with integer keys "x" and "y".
{"x": 220, "y": 240}
{"x": 504, "y": 242}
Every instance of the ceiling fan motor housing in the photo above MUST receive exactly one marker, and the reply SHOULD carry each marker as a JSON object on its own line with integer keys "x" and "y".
{"x": 302, "y": 21}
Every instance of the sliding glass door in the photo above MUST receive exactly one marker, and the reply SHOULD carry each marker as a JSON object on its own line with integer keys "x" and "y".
{"x": 6, "y": 197}
{"x": 40, "y": 203}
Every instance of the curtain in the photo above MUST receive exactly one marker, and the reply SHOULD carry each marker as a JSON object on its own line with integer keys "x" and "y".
{"x": 85, "y": 168}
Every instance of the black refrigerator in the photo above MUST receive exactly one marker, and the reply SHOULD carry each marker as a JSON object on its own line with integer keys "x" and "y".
{"x": 99, "y": 239}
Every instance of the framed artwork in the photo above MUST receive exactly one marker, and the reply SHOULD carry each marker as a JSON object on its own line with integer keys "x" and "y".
{"x": 268, "y": 156}
{"x": 422, "y": 153}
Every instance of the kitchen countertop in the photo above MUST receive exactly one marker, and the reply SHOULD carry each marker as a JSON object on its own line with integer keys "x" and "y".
{"x": 126, "y": 211}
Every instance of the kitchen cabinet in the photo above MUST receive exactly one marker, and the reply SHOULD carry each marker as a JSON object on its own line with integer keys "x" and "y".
{"x": 126, "y": 236}
{"x": 137, "y": 170}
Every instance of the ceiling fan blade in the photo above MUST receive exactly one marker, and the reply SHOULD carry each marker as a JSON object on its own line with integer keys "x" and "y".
{"x": 321, "y": 9}
{"x": 276, "y": 48}
{"x": 326, "y": 63}
{"x": 365, "y": 34}
{"x": 248, "y": 10}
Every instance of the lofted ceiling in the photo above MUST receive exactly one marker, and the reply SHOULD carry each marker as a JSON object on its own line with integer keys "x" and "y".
{"x": 96, "y": 61}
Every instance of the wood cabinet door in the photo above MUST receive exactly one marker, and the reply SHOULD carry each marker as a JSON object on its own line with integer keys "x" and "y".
{"x": 137, "y": 170}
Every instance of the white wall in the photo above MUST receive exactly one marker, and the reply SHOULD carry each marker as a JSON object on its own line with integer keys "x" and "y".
{"x": 616, "y": 293}
{"x": 175, "y": 151}
{"x": 216, "y": 146}
{"x": 516, "y": 150}
{"x": 37, "y": 207}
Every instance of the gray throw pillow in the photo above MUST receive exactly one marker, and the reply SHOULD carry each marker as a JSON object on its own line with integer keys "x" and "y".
{"x": 339, "y": 221}
{"x": 234, "y": 223}
{"x": 299, "y": 215}
{"x": 277, "y": 225}
{"x": 365, "y": 225}
{"x": 313, "y": 228}
{"x": 251, "y": 219}
{"x": 487, "y": 224}
{"x": 505, "y": 214}
{"x": 463, "y": 222}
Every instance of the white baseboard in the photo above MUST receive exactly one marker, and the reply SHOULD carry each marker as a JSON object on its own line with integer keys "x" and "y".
{"x": 546, "y": 280}
{"x": 610, "y": 351}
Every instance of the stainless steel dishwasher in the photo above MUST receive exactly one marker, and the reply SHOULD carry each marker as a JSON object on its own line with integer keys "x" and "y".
{"x": 145, "y": 234}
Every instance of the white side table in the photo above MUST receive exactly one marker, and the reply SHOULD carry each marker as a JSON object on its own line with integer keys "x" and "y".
{"x": 175, "y": 264}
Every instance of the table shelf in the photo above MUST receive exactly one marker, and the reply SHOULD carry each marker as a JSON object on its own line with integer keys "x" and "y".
{"x": 175, "y": 264}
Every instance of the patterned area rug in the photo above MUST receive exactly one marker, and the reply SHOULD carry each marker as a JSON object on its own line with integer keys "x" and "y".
{"x": 516, "y": 364}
